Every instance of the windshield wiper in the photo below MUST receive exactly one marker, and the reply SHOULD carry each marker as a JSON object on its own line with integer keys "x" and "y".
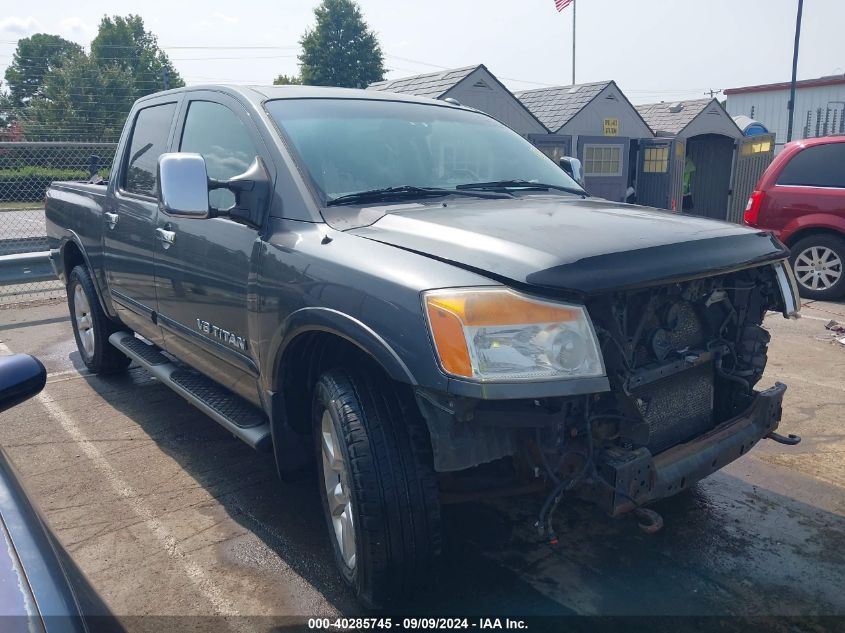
{"x": 408, "y": 191}
{"x": 529, "y": 185}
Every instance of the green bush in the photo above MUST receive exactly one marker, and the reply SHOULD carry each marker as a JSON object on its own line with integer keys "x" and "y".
{"x": 28, "y": 184}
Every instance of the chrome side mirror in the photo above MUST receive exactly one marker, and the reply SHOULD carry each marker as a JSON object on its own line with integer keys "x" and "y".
{"x": 183, "y": 185}
{"x": 21, "y": 377}
{"x": 572, "y": 166}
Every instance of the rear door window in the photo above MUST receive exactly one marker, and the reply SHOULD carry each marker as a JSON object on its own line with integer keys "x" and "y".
{"x": 149, "y": 141}
{"x": 219, "y": 135}
{"x": 818, "y": 166}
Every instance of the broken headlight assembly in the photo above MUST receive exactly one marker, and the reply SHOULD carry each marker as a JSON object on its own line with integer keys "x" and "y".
{"x": 498, "y": 335}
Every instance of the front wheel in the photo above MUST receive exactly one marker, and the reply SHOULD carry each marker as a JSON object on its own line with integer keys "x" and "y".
{"x": 817, "y": 261}
{"x": 377, "y": 483}
{"x": 91, "y": 326}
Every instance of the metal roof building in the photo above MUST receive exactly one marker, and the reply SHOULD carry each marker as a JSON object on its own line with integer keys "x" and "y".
{"x": 722, "y": 164}
{"x": 819, "y": 107}
{"x": 595, "y": 122}
{"x": 473, "y": 86}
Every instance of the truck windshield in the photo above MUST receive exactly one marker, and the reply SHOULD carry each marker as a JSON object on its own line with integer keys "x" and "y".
{"x": 349, "y": 146}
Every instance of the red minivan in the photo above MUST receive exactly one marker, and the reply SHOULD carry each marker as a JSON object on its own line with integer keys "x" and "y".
{"x": 801, "y": 199}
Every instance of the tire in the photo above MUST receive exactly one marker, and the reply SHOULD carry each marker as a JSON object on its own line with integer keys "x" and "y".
{"x": 386, "y": 473}
{"x": 91, "y": 326}
{"x": 827, "y": 250}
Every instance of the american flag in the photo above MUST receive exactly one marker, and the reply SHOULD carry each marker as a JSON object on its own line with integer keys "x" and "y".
{"x": 560, "y": 5}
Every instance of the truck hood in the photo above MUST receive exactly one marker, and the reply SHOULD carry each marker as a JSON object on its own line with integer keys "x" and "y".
{"x": 582, "y": 246}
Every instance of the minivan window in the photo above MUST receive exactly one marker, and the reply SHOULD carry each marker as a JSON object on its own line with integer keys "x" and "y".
{"x": 213, "y": 130}
{"x": 817, "y": 166}
{"x": 353, "y": 145}
{"x": 149, "y": 141}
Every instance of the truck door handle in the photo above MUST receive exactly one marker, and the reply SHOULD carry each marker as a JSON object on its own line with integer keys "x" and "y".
{"x": 167, "y": 238}
{"x": 111, "y": 219}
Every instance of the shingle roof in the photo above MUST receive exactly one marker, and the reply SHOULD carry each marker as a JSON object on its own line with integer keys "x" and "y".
{"x": 556, "y": 106}
{"x": 432, "y": 85}
{"x": 672, "y": 117}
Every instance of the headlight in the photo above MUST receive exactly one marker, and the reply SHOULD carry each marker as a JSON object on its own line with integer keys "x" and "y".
{"x": 497, "y": 335}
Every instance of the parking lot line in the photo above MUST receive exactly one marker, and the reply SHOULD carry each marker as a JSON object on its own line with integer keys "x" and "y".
{"x": 197, "y": 575}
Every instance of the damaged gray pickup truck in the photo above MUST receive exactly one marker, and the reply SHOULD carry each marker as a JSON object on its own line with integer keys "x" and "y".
{"x": 411, "y": 296}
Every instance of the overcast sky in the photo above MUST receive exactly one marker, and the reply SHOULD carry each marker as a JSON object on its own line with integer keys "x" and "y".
{"x": 655, "y": 49}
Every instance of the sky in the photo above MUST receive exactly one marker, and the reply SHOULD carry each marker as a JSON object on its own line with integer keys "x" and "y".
{"x": 656, "y": 50}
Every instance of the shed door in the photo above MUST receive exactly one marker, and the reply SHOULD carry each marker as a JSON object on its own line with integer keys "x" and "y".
{"x": 753, "y": 156}
{"x": 660, "y": 173}
{"x": 555, "y": 146}
{"x": 605, "y": 161}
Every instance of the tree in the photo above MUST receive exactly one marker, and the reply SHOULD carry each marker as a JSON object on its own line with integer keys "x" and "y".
{"x": 285, "y": 80}
{"x": 34, "y": 58}
{"x": 81, "y": 100}
{"x": 340, "y": 50}
{"x": 124, "y": 43}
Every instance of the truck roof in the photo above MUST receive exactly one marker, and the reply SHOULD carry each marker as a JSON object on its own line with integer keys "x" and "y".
{"x": 258, "y": 93}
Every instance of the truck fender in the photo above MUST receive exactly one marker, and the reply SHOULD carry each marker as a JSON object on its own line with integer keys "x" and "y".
{"x": 317, "y": 319}
{"x": 58, "y": 262}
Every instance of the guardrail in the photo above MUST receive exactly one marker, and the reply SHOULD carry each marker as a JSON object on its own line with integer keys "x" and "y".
{"x": 25, "y": 268}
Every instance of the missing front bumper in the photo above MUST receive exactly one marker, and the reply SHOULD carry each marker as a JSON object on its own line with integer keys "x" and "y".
{"x": 637, "y": 478}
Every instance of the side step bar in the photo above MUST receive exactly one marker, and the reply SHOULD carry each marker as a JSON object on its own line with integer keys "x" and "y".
{"x": 232, "y": 412}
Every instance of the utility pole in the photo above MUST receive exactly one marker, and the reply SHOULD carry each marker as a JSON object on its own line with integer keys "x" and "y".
{"x": 165, "y": 77}
{"x": 712, "y": 92}
{"x": 791, "y": 105}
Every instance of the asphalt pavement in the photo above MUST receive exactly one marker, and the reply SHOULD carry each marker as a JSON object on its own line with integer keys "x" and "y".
{"x": 168, "y": 515}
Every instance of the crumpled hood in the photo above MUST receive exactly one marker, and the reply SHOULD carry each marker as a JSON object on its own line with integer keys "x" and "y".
{"x": 583, "y": 246}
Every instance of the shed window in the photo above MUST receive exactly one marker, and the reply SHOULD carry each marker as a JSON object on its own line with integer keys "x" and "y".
{"x": 756, "y": 147}
{"x": 656, "y": 160}
{"x": 603, "y": 160}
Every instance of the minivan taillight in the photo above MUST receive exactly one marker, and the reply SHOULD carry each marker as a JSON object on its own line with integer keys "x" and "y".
{"x": 752, "y": 209}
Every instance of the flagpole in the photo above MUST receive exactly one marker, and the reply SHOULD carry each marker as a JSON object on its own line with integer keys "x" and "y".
{"x": 574, "y": 5}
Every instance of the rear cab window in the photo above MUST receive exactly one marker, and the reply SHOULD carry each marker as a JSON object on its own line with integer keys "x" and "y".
{"x": 816, "y": 166}
{"x": 149, "y": 141}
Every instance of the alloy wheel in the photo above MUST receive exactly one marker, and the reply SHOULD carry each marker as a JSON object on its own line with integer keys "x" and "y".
{"x": 83, "y": 319}
{"x": 818, "y": 268}
{"x": 336, "y": 479}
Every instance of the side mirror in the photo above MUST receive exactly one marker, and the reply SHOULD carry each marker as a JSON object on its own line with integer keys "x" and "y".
{"x": 572, "y": 166}
{"x": 21, "y": 377}
{"x": 183, "y": 185}
{"x": 252, "y": 191}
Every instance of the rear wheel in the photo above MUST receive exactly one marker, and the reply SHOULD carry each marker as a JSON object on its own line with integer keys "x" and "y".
{"x": 377, "y": 483}
{"x": 91, "y": 326}
{"x": 817, "y": 261}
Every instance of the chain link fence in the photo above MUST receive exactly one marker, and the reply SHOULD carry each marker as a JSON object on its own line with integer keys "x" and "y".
{"x": 26, "y": 170}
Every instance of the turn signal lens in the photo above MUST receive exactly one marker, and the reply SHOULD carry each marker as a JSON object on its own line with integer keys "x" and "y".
{"x": 497, "y": 334}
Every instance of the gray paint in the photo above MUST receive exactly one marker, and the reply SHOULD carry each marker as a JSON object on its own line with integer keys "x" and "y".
{"x": 662, "y": 190}
{"x": 607, "y": 187}
{"x": 747, "y": 171}
{"x": 713, "y": 157}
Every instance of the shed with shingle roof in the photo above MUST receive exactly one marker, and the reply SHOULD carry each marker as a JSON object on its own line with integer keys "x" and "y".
{"x": 595, "y": 122}
{"x": 689, "y": 118}
{"x": 473, "y": 86}
{"x": 722, "y": 166}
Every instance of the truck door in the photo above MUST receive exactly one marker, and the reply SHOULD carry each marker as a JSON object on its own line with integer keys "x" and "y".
{"x": 752, "y": 156}
{"x": 130, "y": 213}
{"x": 660, "y": 173}
{"x": 605, "y": 161}
{"x": 203, "y": 276}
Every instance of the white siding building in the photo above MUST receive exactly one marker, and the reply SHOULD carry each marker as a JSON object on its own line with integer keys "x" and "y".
{"x": 819, "y": 107}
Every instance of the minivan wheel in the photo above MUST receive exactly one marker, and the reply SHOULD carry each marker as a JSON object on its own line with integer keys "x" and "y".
{"x": 91, "y": 326}
{"x": 817, "y": 261}
{"x": 376, "y": 482}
